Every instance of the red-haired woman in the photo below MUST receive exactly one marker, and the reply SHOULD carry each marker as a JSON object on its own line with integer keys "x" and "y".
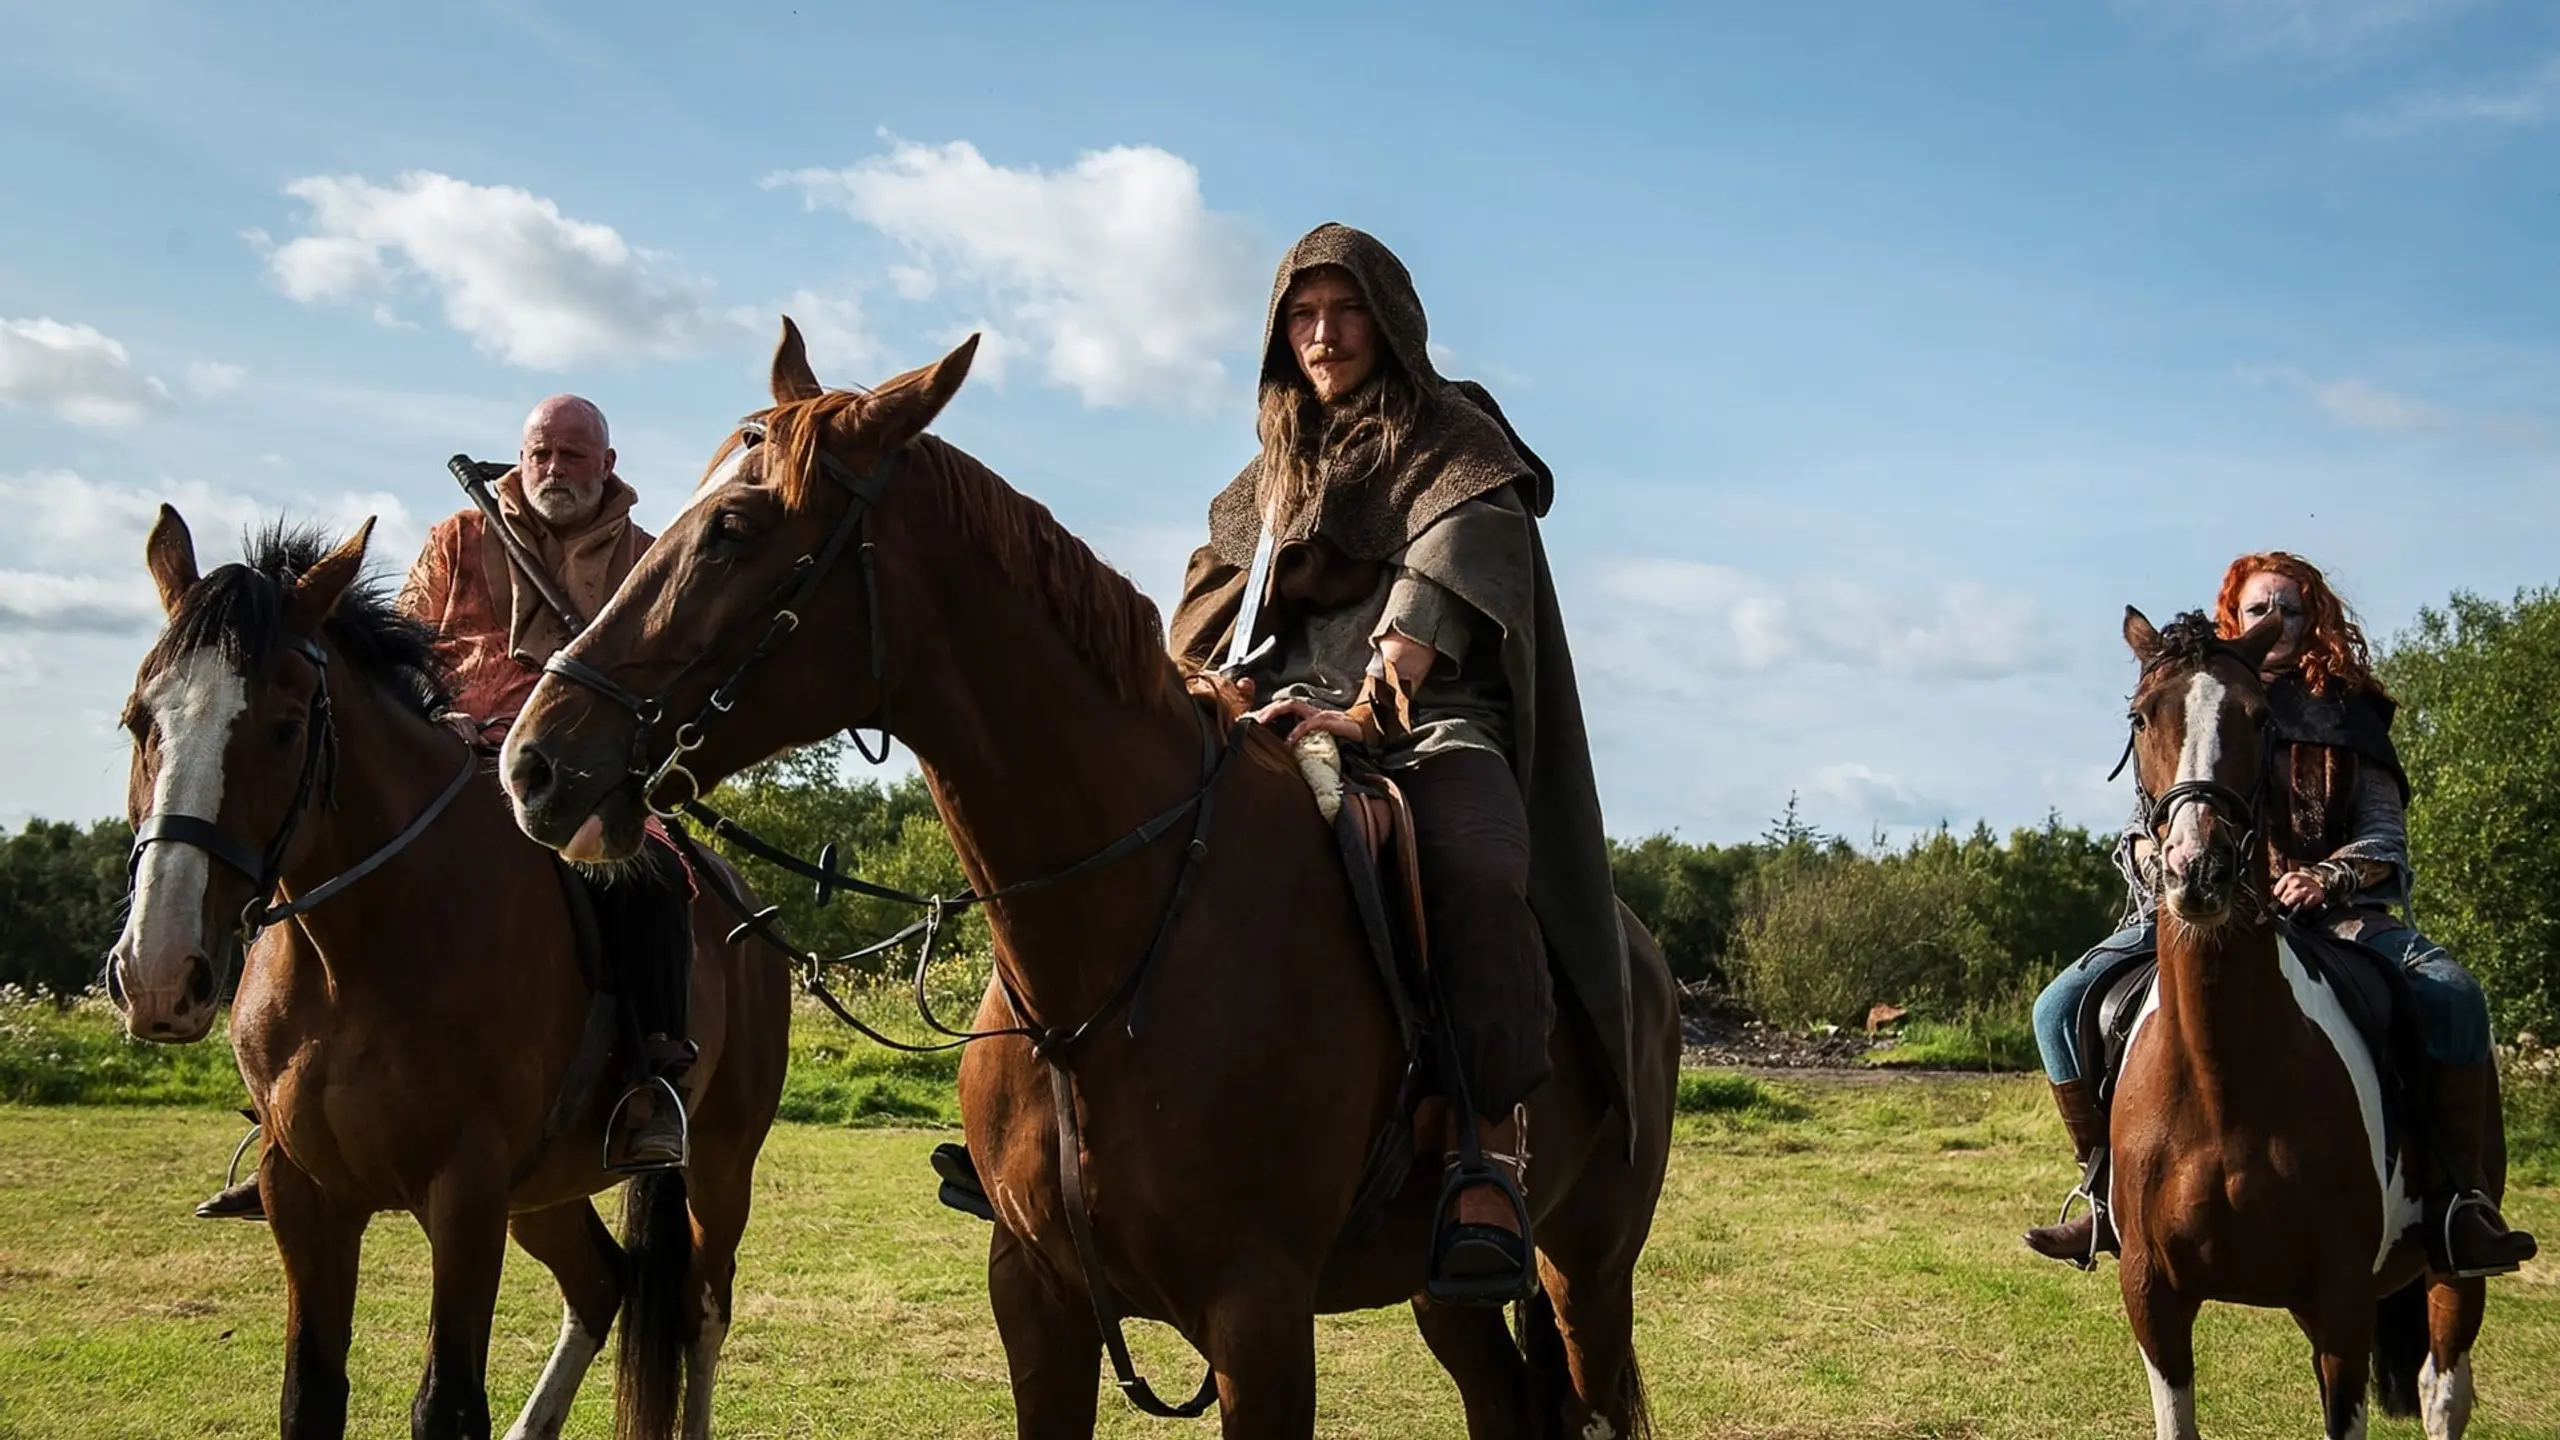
{"x": 2339, "y": 842}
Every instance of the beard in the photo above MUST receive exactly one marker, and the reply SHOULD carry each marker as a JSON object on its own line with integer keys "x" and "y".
{"x": 560, "y": 503}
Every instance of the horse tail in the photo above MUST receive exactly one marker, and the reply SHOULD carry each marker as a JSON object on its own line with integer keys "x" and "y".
{"x": 2399, "y": 1347}
{"x": 657, "y": 1241}
{"x": 1551, "y": 1375}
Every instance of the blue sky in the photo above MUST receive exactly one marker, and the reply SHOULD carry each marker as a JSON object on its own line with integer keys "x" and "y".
{"x": 1884, "y": 352}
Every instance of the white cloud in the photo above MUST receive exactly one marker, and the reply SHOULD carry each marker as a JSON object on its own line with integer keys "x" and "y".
{"x": 1850, "y": 793}
{"x": 35, "y": 601}
{"x": 524, "y": 281}
{"x": 76, "y": 544}
{"x": 2533, "y": 99}
{"x": 208, "y": 378}
{"x": 841, "y": 348}
{"x": 2356, "y": 404}
{"x": 2331, "y": 30}
{"x": 1114, "y": 271}
{"x": 77, "y": 373}
{"x": 1671, "y": 615}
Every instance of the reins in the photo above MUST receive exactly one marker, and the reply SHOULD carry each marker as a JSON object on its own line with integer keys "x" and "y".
{"x": 1055, "y": 1045}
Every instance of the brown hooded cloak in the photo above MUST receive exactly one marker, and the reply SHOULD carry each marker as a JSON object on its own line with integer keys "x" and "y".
{"x": 1461, "y": 449}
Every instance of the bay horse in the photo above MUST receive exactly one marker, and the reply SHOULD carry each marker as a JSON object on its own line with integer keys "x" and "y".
{"x": 1219, "y": 1142}
{"x": 408, "y": 1039}
{"x": 2253, "y": 1163}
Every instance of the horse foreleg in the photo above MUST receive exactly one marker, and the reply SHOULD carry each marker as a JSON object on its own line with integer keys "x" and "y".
{"x": 2341, "y": 1335}
{"x": 1474, "y": 1346}
{"x": 465, "y": 1218}
{"x": 572, "y": 1243}
{"x": 1051, "y": 1346}
{"x": 320, "y": 1243}
{"x": 2164, "y": 1325}
{"x": 2454, "y": 1311}
{"x": 1261, "y": 1342}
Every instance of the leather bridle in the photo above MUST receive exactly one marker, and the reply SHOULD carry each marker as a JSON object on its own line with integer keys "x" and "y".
{"x": 2243, "y": 812}
{"x": 265, "y": 868}
{"x": 807, "y": 573}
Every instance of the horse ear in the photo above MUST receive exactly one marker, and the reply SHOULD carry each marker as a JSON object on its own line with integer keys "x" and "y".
{"x": 316, "y": 591}
{"x": 2258, "y": 639}
{"x": 2139, "y": 634}
{"x": 170, "y": 554}
{"x": 792, "y": 377}
{"x": 902, "y": 409}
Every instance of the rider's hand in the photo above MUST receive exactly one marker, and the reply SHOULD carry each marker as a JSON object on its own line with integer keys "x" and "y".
{"x": 2300, "y": 890}
{"x": 1288, "y": 717}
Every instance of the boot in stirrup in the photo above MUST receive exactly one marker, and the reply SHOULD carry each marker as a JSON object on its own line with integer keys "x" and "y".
{"x": 1482, "y": 1253}
{"x": 649, "y": 1129}
{"x": 2079, "y": 1239}
{"x": 2466, "y": 1237}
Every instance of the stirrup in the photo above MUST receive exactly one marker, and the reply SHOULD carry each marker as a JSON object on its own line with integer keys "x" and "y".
{"x": 2099, "y": 1225}
{"x": 684, "y": 1130}
{"x": 1517, "y": 1250}
{"x": 2468, "y": 1200}
{"x": 962, "y": 1190}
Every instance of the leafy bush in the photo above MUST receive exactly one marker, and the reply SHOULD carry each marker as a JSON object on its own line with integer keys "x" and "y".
{"x": 76, "y": 1053}
{"x": 61, "y": 903}
{"x": 1945, "y": 927}
{"x": 2476, "y": 683}
{"x": 802, "y": 801}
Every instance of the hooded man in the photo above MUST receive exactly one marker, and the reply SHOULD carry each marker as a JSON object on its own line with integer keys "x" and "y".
{"x": 566, "y": 504}
{"x": 1408, "y": 607}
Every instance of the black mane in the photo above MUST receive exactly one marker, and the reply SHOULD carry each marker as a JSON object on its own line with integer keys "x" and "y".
{"x": 2189, "y": 640}
{"x": 239, "y": 610}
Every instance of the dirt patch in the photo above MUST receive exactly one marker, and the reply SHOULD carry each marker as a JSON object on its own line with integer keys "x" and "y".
{"x": 1715, "y": 1029}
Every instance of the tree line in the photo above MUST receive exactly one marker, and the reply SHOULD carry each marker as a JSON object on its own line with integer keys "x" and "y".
{"x": 1804, "y": 926}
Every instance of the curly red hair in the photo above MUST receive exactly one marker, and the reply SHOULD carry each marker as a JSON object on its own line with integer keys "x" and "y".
{"x": 2333, "y": 645}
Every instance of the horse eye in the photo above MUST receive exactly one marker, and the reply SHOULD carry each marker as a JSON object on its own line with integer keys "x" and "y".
{"x": 288, "y": 731}
{"x": 728, "y": 526}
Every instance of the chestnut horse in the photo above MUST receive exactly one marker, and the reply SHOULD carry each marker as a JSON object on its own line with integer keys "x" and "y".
{"x": 408, "y": 1040}
{"x": 2251, "y": 1158}
{"x": 1223, "y": 1136}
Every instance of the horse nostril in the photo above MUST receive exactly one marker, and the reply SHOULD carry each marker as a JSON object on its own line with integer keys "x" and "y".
{"x": 530, "y": 775}
{"x": 199, "y": 983}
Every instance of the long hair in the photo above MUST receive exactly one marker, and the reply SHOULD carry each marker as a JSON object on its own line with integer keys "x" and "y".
{"x": 1364, "y": 432}
{"x": 2333, "y": 644}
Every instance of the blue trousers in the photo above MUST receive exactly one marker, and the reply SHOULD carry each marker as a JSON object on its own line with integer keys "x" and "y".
{"x": 2453, "y": 1014}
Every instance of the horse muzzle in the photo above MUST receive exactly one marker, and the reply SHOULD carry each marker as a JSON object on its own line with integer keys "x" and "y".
{"x": 171, "y": 999}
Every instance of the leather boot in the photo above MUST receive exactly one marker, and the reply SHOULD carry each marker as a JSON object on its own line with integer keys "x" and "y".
{"x": 1483, "y": 1253}
{"x": 649, "y": 1130}
{"x": 2079, "y": 1239}
{"x": 237, "y": 1202}
{"x": 2465, "y": 1235}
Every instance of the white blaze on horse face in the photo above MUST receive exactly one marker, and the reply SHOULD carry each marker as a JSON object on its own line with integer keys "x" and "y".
{"x": 2199, "y": 756}
{"x": 2319, "y": 1004}
{"x": 2173, "y": 1407}
{"x": 193, "y": 705}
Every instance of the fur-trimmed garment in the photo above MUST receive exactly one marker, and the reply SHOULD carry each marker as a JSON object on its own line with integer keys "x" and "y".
{"x": 496, "y": 630}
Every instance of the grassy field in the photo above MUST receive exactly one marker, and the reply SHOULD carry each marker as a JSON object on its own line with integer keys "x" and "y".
{"x": 1832, "y": 1259}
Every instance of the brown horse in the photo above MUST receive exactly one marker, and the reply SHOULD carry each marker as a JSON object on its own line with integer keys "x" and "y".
{"x": 2252, "y": 1159}
{"x": 406, "y": 1039}
{"x": 1224, "y": 1137}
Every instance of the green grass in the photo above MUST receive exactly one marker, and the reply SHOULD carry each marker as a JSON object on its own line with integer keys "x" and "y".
{"x": 1974, "y": 1042}
{"x": 80, "y": 1055}
{"x": 1831, "y": 1260}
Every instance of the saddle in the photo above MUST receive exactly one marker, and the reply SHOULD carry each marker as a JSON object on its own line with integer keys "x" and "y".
{"x": 2370, "y": 987}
